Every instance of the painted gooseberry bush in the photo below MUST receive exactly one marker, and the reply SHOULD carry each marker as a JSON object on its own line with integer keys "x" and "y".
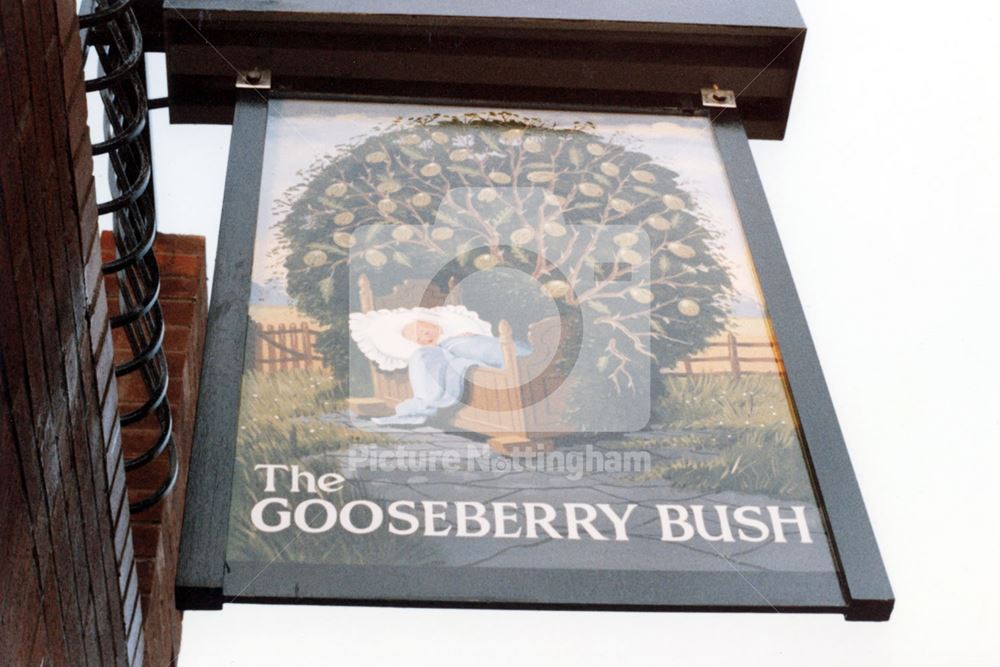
{"x": 529, "y": 189}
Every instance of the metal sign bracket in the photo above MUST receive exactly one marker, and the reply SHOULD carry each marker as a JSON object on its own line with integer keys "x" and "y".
{"x": 254, "y": 79}
{"x": 716, "y": 98}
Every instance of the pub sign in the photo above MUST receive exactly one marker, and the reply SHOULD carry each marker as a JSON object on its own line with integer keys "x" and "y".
{"x": 512, "y": 353}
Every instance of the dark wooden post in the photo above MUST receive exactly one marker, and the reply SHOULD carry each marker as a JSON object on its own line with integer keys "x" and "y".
{"x": 258, "y": 361}
{"x": 307, "y": 346}
{"x": 294, "y": 344}
{"x": 279, "y": 337}
{"x": 734, "y": 354}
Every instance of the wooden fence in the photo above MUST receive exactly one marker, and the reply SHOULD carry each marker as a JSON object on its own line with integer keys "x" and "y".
{"x": 729, "y": 355}
{"x": 279, "y": 347}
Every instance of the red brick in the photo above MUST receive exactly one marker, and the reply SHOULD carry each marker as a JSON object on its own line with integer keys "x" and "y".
{"x": 169, "y": 246}
{"x": 184, "y": 286}
{"x": 145, "y": 485}
{"x": 19, "y": 591}
{"x": 185, "y": 344}
{"x": 99, "y": 339}
{"x": 176, "y": 359}
{"x": 51, "y": 382}
{"x": 64, "y": 572}
{"x": 92, "y": 268}
{"x": 72, "y": 71}
{"x": 98, "y": 316}
{"x": 154, "y": 513}
{"x": 128, "y": 556}
{"x": 116, "y": 489}
{"x": 123, "y": 349}
{"x": 109, "y": 405}
{"x": 87, "y": 206}
{"x": 11, "y": 494}
{"x": 57, "y": 649}
{"x": 131, "y": 386}
{"x": 113, "y": 458}
{"x": 178, "y": 311}
{"x": 122, "y": 527}
{"x": 92, "y": 643}
{"x": 77, "y": 129}
{"x": 107, "y": 245}
{"x": 42, "y": 540}
{"x": 146, "y": 538}
{"x": 81, "y": 151}
{"x": 68, "y": 25}
{"x": 147, "y": 574}
{"x": 90, "y": 490}
{"x": 135, "y": 445}
{"x": 15, "y": 68}
{"x": 83, "y": 175}
{"x": 157, "y": 530}
{"x": 40, "y": 644}
{"x": 191, "y": 266}
{"x": 79, "y": 553}
{"x": 71, "y": 376}
{"x": 177, "y": 337}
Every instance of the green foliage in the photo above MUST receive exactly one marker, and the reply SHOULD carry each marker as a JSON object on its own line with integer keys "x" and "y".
{"x": 738, "y": 434}
{"x": 281, "y": 422}
{"x": 479, "y": 192}
{"x": 281, "y": 415}
{"x": 764, "y": 462}
{"x": 721, "y": 401}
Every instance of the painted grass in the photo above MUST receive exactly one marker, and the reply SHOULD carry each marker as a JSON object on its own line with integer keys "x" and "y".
{"x": 282, "y": 413}
{"x": 281, "y": 422}
{"x": 743, "y": 430}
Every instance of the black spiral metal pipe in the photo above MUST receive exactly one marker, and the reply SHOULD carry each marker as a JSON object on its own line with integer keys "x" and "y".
{"x": 110, "y": 33}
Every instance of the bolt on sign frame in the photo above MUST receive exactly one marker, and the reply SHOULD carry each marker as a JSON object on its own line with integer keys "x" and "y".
{"x": 854, "y": 583}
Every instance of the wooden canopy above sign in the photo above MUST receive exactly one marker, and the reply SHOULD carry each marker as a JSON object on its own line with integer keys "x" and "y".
{"x": 644, "y": 54}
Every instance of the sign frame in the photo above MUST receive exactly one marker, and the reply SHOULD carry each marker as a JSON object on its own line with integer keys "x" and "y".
{"x": 859, "y": 588}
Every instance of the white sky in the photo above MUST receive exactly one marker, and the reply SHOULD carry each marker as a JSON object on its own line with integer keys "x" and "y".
{"x": 884, "y": 193}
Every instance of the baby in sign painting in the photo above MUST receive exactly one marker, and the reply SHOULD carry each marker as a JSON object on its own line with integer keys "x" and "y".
{"x": 437, "y": 346}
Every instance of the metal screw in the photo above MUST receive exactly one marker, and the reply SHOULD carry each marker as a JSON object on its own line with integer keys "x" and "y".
{"x": 253, "y": 76}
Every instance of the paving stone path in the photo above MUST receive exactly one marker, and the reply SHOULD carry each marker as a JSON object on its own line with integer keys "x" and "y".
{"x": 427, "y": 463}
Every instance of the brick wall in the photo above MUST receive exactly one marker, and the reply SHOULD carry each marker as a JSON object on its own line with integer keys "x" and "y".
{"x": 156, "y": 531}
{"x": 68, "y": 584}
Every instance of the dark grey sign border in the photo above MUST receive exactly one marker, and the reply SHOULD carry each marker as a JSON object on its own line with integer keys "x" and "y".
{"x": 205, "y": 580}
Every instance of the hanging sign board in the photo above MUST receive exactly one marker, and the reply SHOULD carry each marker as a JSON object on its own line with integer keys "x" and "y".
{"x": 514, "y": 357}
